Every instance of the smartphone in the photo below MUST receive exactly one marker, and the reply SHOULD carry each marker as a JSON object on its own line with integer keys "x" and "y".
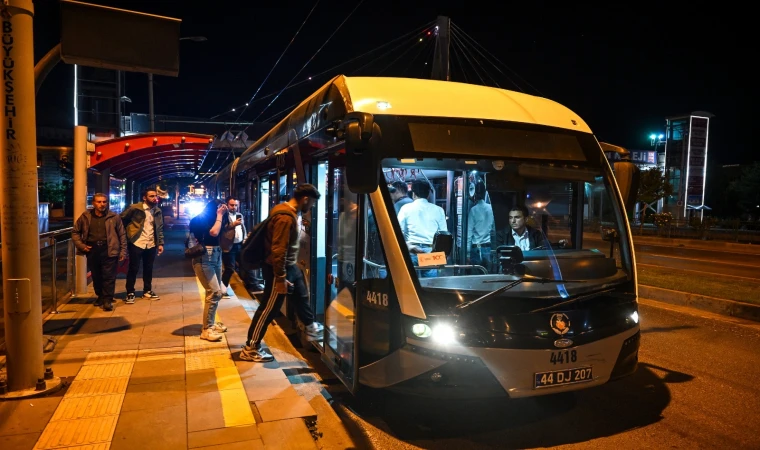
{"x": 239, "y": 216}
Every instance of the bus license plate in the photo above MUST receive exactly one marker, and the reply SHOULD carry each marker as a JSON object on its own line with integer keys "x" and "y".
{"x": 561, "y": 377}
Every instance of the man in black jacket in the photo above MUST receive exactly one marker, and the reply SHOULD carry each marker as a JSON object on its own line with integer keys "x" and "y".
{"x": 518, "y": 233}
{"x": 99, "y": 234}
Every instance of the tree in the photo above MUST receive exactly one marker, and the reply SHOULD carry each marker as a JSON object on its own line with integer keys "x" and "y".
{"x": 747, "y": 189}
{"x": 653, "y": 186}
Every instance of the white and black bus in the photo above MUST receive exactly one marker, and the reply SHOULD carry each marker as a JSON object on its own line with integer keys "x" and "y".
{"x": 552, "y": 314}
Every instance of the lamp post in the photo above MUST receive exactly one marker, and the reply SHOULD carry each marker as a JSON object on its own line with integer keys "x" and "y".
{"x": 150, "y": 83}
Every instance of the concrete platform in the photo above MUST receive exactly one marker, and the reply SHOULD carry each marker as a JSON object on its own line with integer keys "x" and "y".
{"x": 139, "y": 377}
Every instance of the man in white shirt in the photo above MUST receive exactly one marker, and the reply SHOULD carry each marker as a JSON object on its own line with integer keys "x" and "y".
{"x": 419, "y": 221}
{"x": 144, "y": 224}
{"x": 233, "y": 233}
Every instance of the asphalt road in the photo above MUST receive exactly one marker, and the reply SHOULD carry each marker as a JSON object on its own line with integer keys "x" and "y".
{"x": 696, "y": 387}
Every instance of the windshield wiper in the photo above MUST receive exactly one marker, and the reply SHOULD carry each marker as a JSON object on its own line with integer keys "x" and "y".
{"x": 590, "y": 295}
{"x": 512, "y": 283}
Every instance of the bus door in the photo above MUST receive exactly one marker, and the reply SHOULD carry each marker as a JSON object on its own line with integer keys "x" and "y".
{"x": 318, "y": 273}
{"x": 340, "y": 290}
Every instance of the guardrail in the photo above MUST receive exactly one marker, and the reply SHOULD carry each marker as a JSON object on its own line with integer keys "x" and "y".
{"x": 56, "y": 272}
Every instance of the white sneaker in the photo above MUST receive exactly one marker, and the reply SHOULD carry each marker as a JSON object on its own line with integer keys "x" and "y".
{"x": 314, "y": 331}
{"x": 219, "y": 327}
{"x": 210, "y": 334}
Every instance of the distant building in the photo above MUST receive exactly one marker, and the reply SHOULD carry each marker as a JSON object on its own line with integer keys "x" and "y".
{"x": 685, "y": 162}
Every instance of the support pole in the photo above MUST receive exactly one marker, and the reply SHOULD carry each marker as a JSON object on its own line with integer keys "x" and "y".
{"x": 18, "y": 201}
{"x": 150, "y": 103}
{"x": 441, "y": 53}
{"x": 80, "y": 202}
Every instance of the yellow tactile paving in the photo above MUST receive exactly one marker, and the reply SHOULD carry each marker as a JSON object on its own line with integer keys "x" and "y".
{"x": 101, "y": 446}
{"x": 69, "y": 433}
{"x": 105, "y": 371}
{"x": 122, "y": 356}
{"x": 99, "y": 386}
{"x": 86, "y": 407}
{"x": 155, "y": 354}
{"x": 195, "y": 343}
{"x": 228, "y": 378}
{"x": 200, "y": 362}
{"x": 236, "y": 408}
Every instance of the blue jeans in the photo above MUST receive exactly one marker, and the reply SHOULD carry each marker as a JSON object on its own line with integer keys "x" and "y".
{"x": 208, "y": 269}
{"x": 481, "y": 257}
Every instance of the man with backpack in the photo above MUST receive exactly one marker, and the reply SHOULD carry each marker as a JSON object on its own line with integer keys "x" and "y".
{"x": 276, "y": 242}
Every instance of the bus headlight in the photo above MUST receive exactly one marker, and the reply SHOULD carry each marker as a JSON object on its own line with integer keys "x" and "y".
{"x": 444, "y": 334}
{"x": 421, "y": 330}
{"x": 635, "y": 317}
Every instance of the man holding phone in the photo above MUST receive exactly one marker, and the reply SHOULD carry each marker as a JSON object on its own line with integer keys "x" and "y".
{"x": 233, "y": 233}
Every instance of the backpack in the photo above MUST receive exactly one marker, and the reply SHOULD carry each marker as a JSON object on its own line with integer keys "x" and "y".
{"x": 252, "y": 250}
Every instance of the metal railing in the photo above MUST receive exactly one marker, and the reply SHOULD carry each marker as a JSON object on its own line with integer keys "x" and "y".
{"x": 56, "y": 273}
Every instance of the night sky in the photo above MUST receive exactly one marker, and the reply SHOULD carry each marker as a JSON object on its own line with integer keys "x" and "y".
{"x": 622, "y": 68}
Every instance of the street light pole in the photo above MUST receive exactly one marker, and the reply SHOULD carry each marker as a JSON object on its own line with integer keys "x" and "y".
{"x": 150, "y": 84}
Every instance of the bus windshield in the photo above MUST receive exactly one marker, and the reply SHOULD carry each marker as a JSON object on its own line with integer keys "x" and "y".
{"x": 461, "y": 221}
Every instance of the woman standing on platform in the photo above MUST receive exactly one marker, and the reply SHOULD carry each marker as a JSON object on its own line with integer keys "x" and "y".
{"x": 205, "y": 228}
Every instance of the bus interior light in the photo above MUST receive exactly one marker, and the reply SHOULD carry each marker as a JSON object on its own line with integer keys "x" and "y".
{"x": 383, "y": 105}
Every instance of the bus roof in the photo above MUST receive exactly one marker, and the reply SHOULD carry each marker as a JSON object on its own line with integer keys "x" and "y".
{"x": 407, "y": 97}
{"x": 433, "y": 98}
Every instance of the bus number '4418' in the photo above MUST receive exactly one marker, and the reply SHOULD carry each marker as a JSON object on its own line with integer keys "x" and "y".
{"x": 377, "y": 298}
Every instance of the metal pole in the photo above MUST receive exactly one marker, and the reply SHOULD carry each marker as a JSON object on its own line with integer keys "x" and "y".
{"x": 441, "y": 52}
{"x": 18, "y": 200}
{"x": 80, "y": 202}
{"x": 150, "y": 103}
{"x": 54, "y": 276}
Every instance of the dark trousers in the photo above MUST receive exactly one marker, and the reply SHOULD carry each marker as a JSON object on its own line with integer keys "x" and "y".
{"x": 271, "y": 303}
{"x": 147, "y": 256}
{"x": 103, "y": 269}
{"x": 229, "y": 260}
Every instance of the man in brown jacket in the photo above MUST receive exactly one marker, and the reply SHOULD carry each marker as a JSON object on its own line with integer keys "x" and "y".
{"x": 99, "y": 234}
{"x": 281, "y": 274}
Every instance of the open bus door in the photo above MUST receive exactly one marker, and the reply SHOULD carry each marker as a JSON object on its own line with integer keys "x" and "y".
{"x": 340, "y": 312}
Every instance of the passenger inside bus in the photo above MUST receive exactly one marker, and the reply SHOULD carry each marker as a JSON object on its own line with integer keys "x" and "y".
{"x": 480, "y": 228}
{"x": 399, "y": 194}
{"x": 419, "y": 222}
{"x": 347, "y": 242}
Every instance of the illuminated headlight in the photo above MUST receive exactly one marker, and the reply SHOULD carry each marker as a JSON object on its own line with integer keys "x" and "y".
{"x": 195, "y": 208}
{"x": 421, "y": 330}
{"x": 443, "y": 334}
{"x": 635, "y": 317}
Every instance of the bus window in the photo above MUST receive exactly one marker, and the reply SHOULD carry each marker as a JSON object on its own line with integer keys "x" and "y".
{"x": 374, "y": 261}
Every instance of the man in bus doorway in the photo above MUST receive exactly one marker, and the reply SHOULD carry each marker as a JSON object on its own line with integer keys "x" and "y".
{"x": 144, "y": 223}
{"x": 99, "y": 234}
{"x": 233, "y": 233}
{"x": 282, "y": 276}
{"x": 480, "y": 227}
{"x": 419, "y": 221}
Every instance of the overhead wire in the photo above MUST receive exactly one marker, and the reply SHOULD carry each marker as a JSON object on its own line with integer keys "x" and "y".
{"x": 473, "y": 58}
{"x": 459, "y": 64}
{"x": 309, "y": 61}
{"x": 456, "y": 43}
{"x": 275, "y": 64}
{"x": 401, "y": 44}
{"x": 422, "y": 48}
{"x": 398, "y": 57}
{"x": 475, "y": 48}
{"x": 477, "y": 44}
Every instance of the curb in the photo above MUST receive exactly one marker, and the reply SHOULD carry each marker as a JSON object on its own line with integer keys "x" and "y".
{"x": 741, "y": 310}
{"x": 720, "y": 246}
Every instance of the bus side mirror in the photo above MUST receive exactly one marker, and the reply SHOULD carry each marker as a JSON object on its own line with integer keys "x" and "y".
{"x": 362, "y": 155}
{"x": 628, "y": 175}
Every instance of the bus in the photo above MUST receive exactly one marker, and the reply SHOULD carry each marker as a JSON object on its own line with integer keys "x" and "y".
{"x": 437, "y": 318}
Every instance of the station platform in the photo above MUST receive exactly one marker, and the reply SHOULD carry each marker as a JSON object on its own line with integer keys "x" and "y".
{"x": 139, "y": 377}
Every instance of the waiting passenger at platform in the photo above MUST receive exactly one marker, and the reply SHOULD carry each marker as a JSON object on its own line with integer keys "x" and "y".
{"x": 206, "y": 227}
{"x": 99, "y": 234}
{"x": 480, "y": 227}
{"x": 399, "y": 195}
{"x": 144, "y": 224}
{"x": 233, "y": 233}
{"x": 282, "y": 276}
{"x": 419, "y": 221}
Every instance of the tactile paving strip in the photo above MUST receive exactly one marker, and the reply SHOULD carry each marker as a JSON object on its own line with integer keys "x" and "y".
{"x": 69, "y": 433}
{"x": 98, "y": 386}
{"x": 87, "y": 407}
{"x": 156, "y": 354}
{"x": 214, "y": 361}
{"x": 105, "y": 371}
{"x": 122, "y": 356}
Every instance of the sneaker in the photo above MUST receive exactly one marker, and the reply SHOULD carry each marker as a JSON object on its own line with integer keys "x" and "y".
{"x": 314, "y": 331}
{"x": 108, "y": 307}
{"x": 130, "y": 299}
{"x": 210, "y": 335}
{"x": 225, "y": 295}
{"x": 250, "y": 354}
{"x": 219, "y": 328}
{"x": 151, "y": 295}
